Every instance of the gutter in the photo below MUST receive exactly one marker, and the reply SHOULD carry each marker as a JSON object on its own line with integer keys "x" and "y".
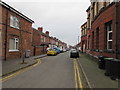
{"x": 6, "y": 31}
{"x": 15, "y": 11}
{"x": 116, "y": 29}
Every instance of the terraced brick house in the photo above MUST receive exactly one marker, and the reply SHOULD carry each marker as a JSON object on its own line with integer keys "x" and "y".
{"x": 16, "y": 32}
{"x": 103, "y": 29}
{"x": 84, "y": 37}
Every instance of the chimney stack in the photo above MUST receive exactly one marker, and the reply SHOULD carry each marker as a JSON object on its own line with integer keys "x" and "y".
{"x": 47, "y": 33}
{"x": 40, "y": 29}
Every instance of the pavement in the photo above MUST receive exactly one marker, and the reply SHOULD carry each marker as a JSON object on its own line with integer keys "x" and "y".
{"x": 13, "y": 65}
{"x": 95, "y": 76}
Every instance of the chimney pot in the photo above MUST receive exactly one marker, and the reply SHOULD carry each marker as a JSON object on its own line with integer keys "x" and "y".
{"x": 47, "y": 33}
{"x": 40, "y": 29}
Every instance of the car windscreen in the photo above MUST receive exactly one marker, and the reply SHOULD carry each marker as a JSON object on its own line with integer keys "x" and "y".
{"x": 51, "y": 49}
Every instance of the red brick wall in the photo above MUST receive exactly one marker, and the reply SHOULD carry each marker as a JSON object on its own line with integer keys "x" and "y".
{"x": 104, "y": 17}
{"x": 84, "y": 41}
{"x": 38, "y": 50}
{"x": 47, "y": 39}
{"x": 118, "y": 29}
{"x": 36, "y": 38}
{"x": 94, "y": 53}
{"x": 36, "y": 42}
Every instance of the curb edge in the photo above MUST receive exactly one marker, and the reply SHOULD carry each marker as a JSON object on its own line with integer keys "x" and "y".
{"x": 23, "y": 67}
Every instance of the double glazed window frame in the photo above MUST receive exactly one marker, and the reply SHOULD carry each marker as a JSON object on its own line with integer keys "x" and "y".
{"x": 42, "y": 39}
{"x": 14, "y": 22}
{"x": 15, "y": 43}
{"x": 109, "y": 35}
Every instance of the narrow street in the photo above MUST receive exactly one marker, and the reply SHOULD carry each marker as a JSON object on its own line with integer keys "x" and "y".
{"x": 52, "y": 72}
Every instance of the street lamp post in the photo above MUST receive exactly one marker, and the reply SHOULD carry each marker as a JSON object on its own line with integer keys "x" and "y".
{"x": 78, "y": 39}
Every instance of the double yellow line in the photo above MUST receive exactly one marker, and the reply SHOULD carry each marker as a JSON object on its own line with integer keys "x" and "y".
{"x": 20, "y": 71}
{"x": 78, "y": 82}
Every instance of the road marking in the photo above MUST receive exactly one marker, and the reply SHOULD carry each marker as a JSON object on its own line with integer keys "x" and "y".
{"x": 79, "y": 79}
{"x": 78, "y": 82}
{"x": 19, "y": 72}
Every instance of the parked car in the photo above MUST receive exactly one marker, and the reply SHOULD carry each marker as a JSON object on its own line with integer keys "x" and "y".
{"x": 52, "y": 52}
{"x": 61, "y": 50}
{"x": 64, "y": 50}
{"x": 57, "y": 50}
{"x": 47, "y": 48}
{"x": 74, "y": 53}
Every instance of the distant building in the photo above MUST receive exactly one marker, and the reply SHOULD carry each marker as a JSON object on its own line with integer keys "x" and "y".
{"x": 84, "y": 37}
{"x": 36, "y": 45}
{"x": 40, "y": 41}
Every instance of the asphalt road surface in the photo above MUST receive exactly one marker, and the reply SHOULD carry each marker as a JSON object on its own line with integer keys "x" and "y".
{"x": 51, "y": 72}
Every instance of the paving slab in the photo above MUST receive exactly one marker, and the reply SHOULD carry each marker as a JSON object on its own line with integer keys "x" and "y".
{"x": 10, "y": 66}
{"x": 95, "y": 76}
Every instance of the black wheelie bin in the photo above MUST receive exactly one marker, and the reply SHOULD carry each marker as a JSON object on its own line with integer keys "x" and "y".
{"x": 101, "y": 62}
{"x": 112, "y": 68}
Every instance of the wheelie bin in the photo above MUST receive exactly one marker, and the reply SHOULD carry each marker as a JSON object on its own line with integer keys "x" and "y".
{"x": 108, "y": 66}
{"x": 112, "y": 68}
{"x": 101, "y": 62}
{"x": 115, "y": 69}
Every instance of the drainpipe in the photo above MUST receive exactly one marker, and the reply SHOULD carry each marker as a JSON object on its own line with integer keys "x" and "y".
{"x": 6, "y": 27}
{"x": 116, "y": 29}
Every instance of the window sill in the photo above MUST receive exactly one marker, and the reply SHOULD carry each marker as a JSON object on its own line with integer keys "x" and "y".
{"x": 106, "y": 51}
{"x": 13, "y": 50}
{"x": 83, "y": 35}
{"x": 14, "y": 27}
{"x": 109, "y": 51}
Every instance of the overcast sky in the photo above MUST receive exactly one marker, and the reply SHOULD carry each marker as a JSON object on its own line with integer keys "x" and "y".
{"x": 62, "y": 18}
